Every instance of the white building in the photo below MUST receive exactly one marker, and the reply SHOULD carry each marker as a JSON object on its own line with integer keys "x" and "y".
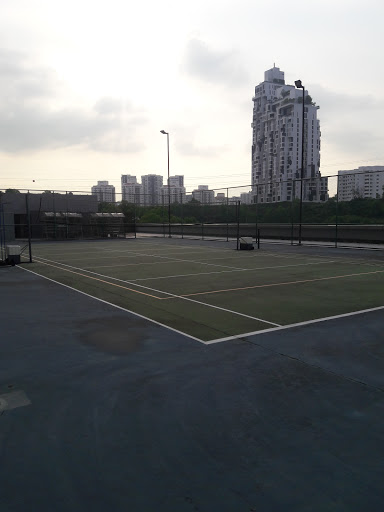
{"x": 152, "y": 184}
{"x": 366, "y": 181}
{"x": 177, "y": 194}
{"x": 247, "y": 197}
{"x": 105, "y": 193}
{"x": 133, "y": 193}
{"x": 176, "y": 181}
{"x": 277, "y": 142}
{"x": 221, "y": 198}
{"x": 204, "y": 195}
{"x": 128, "y": 179}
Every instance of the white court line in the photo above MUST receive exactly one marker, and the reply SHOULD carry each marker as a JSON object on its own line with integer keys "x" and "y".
{"x": 170, "y": 259}
{"x": 167, "y": 293}
{"x": 218, "y": 340}
{"x": 230, "y": 271}
{"x": 114, "y": 305}
{"x": 290, "y": 326}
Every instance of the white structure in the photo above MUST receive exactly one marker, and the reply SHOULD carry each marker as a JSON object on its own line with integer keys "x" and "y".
{"x": 105, "y": 193}
{"x": 276, "y": 142}
{"x": 366, "y": 181}
{"x": 204, "y": 195}
{"x": 128, "y": 179}
{"x": 247, "y": 197}
{"x": 152, "y": 184}
{"x": 133, "y": 193}
{"x": 177, "y": 194}
{"x": 176, "y": 181}
{"x": 221, "y": 198}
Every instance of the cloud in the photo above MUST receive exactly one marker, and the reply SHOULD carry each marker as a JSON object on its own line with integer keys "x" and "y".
{"x": 203, "y": 63}
{"x": 350, "y": 123}
{"x": 188, "y": 148}
{"x": 334, "y": 103}
{"x": 32, "y": 115}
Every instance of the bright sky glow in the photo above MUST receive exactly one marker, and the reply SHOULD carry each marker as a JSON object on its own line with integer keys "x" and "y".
{"x": 86, "y": 86}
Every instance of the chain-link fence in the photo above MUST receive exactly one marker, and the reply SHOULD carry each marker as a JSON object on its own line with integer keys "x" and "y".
{"x": 334, "y": 210}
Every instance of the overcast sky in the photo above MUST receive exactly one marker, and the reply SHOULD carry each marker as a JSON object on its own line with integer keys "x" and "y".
{"x": 86, "y": 86}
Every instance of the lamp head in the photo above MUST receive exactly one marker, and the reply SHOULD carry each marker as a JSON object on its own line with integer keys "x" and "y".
{"x": 298, "y": 84}
{"x": 164, "y": 132}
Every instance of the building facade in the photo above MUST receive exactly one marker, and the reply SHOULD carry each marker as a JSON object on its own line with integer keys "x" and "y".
{"x": 176, "y": 181}
{"x": 277, "y": 126}
{"x": 177, "y": 194}
{"x": 366, "y": 181}
{"x": 152, "y": 184}
{"x": 105, "y": 193}
{"x": 204, "y": 195}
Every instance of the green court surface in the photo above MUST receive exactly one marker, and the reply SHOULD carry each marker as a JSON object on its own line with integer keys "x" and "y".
{"x": 210, "y": 291}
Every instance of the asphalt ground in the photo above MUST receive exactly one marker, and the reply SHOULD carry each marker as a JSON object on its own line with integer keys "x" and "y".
{"x": 104, "y": 410}
{"x": 210, "y": 291}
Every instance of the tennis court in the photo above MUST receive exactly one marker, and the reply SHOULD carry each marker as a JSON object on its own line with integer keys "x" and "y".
{"x": 210, "y": 291}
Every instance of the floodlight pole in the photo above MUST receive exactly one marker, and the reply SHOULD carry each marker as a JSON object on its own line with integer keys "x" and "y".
{"x": 169, "y": 187}
{"x": 299, "y": 85}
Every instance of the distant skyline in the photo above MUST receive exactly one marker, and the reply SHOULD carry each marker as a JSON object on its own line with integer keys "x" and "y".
{"x": 86, "y": 87}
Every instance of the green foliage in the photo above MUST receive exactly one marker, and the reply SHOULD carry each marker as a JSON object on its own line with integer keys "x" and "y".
{"x": 109, "y": 208}
{"x": 12, "y": 191}
{"x": 357, "y": 211}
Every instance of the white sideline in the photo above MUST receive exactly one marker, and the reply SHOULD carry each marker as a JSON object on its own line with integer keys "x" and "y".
{"x": 290, "y": 326}
{"x": 113, "y": 305}
{"x": 165, "y": 293}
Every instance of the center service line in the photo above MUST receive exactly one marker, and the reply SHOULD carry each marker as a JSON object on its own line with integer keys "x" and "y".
{"x": 171, "y": 295}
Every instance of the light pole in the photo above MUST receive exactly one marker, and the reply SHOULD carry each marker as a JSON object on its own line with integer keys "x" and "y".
{"x": 299, "y": 85}
{"x": 169, "y": 187}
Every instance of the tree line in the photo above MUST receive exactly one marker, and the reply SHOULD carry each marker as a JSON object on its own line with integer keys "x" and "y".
{"x": 356, "y": 211}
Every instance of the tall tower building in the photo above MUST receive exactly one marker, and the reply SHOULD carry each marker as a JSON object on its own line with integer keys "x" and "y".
{"x": 277, "y": 140}
{"x": 128, "y": 179}
{"x": 152, "y": 184}
{"x": 104, "y": 192}
{"x": 131, "y": 191}
{"x": 176, "y": 181}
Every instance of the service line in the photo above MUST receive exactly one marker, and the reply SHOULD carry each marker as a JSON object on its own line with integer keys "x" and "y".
{"x": 171, "y": 295}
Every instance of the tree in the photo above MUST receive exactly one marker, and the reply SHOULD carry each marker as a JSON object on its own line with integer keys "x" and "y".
{"x": 12, "y": 191}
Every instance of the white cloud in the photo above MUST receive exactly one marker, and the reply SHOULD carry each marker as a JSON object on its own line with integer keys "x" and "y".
{"x": 34, "y": 113}
{"x": 213, "y": 66}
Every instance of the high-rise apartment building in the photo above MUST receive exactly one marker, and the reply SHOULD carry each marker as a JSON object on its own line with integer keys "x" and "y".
{"x": 204, "y": 195}
{"x": 176, "y": 181}
{"x": 128, "y": 179}
{"x": 131, "y": 191}
{"x": 105, "y": 193}
{"x": 152, "y": 184}
{"x": 277, "y": 141}
{"x": 177, "y": 194}
{"x": 366, "y": 181}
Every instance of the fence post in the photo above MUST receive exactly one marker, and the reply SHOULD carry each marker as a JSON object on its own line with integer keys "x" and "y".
{"x": 54, "y": 215}
{"x": 227, "y": 217}
{"x": 238, "y": 222}
{"x": 29, "y": 227}
{"x": 257, "y": 209}
{"x": 292, "y": 209}
{"x": 66, "y": 219}
{"x": 337, "y": 211}
{"x": 202, "y": 217}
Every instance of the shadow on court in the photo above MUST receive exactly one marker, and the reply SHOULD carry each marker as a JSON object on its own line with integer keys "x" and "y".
{"x": 113, "y": 412}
